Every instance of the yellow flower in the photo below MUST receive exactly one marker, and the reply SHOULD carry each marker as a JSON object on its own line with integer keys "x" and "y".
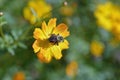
{"x": 71, "y": 69}
{"x": 116, "y": 23}
{"x": 96, "y": 48}
{"x": 108, "y": 17}
{"x": 19, "y": 76}
{"x": 50, "y": 40}
{"x": 67, "y": 10}
{"x": 36, "y": 9}
{"x": 103, "y": 15}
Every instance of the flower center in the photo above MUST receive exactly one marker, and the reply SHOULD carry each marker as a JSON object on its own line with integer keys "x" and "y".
{"x": 55, "y": 39}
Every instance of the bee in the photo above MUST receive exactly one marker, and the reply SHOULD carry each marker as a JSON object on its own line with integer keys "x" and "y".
{"x": 56, "y": 39}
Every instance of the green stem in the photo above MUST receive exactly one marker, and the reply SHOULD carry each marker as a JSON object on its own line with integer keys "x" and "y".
{"x": 1, "y": 32}
{"x": 24, "y": 36}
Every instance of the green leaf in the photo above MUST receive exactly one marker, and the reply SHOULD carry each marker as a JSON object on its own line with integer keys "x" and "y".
{"x": 22, "y": 45}
{"x": 10, "y": 50}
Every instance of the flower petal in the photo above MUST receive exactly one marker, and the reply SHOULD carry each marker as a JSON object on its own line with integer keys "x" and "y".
{"x": 65, "y": 34}
{"x": 51, "y": 24}
{"x": 56, "y": 52}
{"x": 36, "y": 46}
{"x": 38, "y": 34}
{"x": 27, "y": 13}
{"x": 62, "y": 30}
{"x": 64, "y": 45}
{"x": 44, "y": 43}
{"x": 33, "y": 4}
{"x": 44, "y": 55}
{"x": 45, "y": 29}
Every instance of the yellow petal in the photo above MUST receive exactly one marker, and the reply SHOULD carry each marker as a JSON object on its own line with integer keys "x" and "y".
{"x": 56, "y": 52}
{"x": 44, "y": 43}
{"x": 32, "y": 4}
{"x": 33, "y": 20}
{"x": 38, "y": 34}
{"x": 44, "y": 55}
{"x": 65, "y": 34}
{"x": 51, "y": 24}
{"x": 27, "y": 13}
{"x": 62, "y": 30}
{"x": 64, "y": 45}
{"x": 45, "y": 29}
{"x": 40, "y": 44}
{"x": 36, "y": 46}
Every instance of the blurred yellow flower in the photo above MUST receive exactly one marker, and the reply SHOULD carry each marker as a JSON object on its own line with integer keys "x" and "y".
{"x": 67, "y": 10}
{"x": 108, "y": 17}
{"x": 103, "y": 15}
{"x": 96, "y": 48}
{"x": 71, "y": 69}
{"x": 116, "y": 23}
{"x": 50, "y": 40}
{"x": 19, "y": 76}
{"x": 36, "y": 9}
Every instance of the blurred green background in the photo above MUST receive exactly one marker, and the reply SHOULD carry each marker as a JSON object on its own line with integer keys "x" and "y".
{"x": 16, "y": 52}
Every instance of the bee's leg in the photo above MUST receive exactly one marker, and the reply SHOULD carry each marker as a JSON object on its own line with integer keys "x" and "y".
{"x": 54, "y": 43}
{"x": 58, "y": 34}
{"x": 63, "y": 40}
{"x": 57, "y": 43}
